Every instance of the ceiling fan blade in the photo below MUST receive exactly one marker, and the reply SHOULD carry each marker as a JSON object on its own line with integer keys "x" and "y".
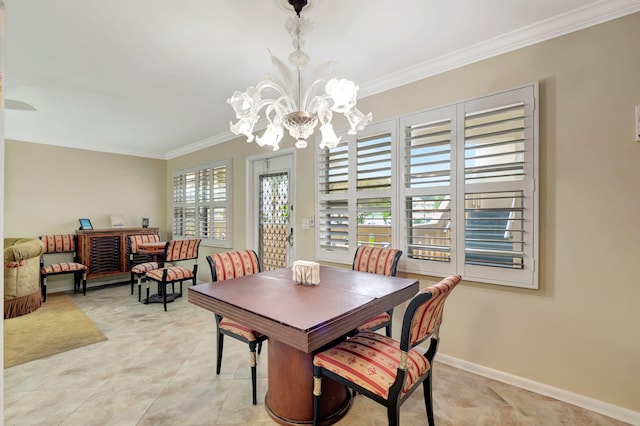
{"x": 18, "y": 105}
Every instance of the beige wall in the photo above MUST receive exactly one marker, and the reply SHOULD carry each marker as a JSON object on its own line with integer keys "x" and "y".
{"x": 48, "y": 188}
{"x": 579, "y": 332}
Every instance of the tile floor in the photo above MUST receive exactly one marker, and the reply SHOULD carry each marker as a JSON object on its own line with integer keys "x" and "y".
{"x": 158, "y": 368}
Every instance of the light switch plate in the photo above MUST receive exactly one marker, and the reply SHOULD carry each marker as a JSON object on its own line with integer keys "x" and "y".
{"x": 637, "y": 119}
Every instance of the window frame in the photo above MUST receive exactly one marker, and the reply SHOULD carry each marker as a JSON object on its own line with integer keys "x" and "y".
{"x": 527, "y": 277}
{"x": 211, "y": 203}
{"x": 352, "y": 195}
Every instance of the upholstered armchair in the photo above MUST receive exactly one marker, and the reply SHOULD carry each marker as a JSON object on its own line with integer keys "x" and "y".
{"x": 22, "y": 276}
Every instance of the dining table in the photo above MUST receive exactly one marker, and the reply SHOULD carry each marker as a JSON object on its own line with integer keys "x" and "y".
{"x": 156, "y": 251}
{"x": 299, "y": 321}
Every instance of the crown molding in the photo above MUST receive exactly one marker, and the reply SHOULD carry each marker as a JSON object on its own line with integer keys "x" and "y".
{"x": 201, "y": 144}
{"x": 575, "y": 20}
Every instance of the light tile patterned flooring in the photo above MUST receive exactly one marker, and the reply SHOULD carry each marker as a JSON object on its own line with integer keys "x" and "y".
{"x": 158, "y": 368}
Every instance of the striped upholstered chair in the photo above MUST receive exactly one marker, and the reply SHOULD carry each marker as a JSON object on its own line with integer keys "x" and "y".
{"x": 382, "y": 261}
{"x": 140, "y": 268}
{"x": 225, "y": 266}
{"x": 171, "y": 273}
{"x": 62, "y": 243}
{"x": 387, "y": 370}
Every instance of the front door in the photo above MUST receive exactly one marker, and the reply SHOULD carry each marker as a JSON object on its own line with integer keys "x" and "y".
{"x": 273, "y": 220}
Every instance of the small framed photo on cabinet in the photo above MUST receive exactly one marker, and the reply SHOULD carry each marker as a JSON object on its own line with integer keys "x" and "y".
{"x": 145, "y": 222}
{"x": 85, "y": 224}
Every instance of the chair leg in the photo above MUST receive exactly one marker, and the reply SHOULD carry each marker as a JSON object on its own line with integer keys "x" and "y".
{"x": 393, "y": 413}
{"x": 43, "y": 287}
{"x": 428, "y": 398}
{"x": 219, "y": 352}
{"x": 317, "y": 386}
{"x": 389, "y": 323}
{"x": 253, "y": 362}
{"x": 84, "y": 285}
{"x": 139, "y": 289}
{"x": 132, "y": 278}
{"x": 164, "y": 296}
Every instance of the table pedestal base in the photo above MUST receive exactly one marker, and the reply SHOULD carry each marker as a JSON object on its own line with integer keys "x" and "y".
{"x": 157, "y": 298}
{"x": 289, "y": 399}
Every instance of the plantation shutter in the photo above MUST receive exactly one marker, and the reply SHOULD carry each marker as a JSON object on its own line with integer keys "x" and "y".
{"x": 456, "y": 191}
{"x": 334, "y": 225}
{"x": 219, "y": 215}
{"x": 178, "y": 204}
{"x": 428, "y": 160}
{"x": 373, "y": 187}
{"x": 333, "y": 211}
{"x": 200, "y": 203}
{"x": 498, "y": 198}
{"x": 373, "y": 163}
{"x": 204, "y": 203}
{"x": 190, "y": 222}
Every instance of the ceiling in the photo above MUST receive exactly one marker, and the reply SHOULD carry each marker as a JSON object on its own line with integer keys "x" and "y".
{"x": 151, "y": 77}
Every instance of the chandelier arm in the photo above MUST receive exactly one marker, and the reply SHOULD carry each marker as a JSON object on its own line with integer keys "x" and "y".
{"x": 317, "y": 105}
{"x": 310, "y": 94}
{"x": 284, "y": 104}
{"x": 273, "y": 85}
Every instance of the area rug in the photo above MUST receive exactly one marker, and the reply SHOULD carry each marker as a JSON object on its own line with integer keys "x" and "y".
{"x": 58, "y": 326}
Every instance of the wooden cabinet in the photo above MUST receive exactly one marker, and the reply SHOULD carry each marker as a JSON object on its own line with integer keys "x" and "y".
{"x": 106, "y": 251}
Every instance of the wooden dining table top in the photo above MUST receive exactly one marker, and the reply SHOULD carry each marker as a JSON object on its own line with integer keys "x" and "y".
{"x": 152, "y": 247}
{"x": 303, "y": 316}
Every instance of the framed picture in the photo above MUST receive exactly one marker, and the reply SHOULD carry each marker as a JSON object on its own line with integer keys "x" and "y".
{"x": 85, "y": 224}
{"x": 145, "y": 222}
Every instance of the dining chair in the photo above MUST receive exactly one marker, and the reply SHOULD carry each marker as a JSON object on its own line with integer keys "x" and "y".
{"x": 141, "y": 264}
{"x": 386, "y": 370}
{"x": 171, "y": 273}
{"x": 61, "y": 243}
{"x": 225, "y": 266}
{"x": 382, "y": 261}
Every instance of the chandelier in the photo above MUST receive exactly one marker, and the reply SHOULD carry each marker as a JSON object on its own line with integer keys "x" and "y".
{"x": 289, "y": 108}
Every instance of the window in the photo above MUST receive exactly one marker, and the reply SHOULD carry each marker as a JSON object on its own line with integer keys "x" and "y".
{"x": 455, "y": 191}
{"x": 357, "y": 204}
{"x": 201, "y": 203}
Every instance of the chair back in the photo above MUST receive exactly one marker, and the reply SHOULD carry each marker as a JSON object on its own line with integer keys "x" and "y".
{"x": 423, "y": 316}
{"x": 234, "y": 264}
{"x": 176, "y": 250}
{"x": 376, "y": 260}
{"x": 134, "y": 240}
{"x": 59, "y": 243}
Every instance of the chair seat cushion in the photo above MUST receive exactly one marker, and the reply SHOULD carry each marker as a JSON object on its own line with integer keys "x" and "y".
{"x": 174, "y": 273}
{"x": 143, "y": 268}
{"x": 58, "y": 268}
{"x": 239, "y": 329}
{"x": 371, "y": 360}
{"x": 383, "y": 318}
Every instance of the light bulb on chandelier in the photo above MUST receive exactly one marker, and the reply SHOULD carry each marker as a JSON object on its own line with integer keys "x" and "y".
{"x": 298, "y": 114}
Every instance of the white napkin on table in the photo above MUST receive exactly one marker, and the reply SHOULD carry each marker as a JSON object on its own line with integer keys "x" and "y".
{"x": 306, "y": 272}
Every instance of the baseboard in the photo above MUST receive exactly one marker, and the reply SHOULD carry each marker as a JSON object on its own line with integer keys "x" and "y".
{"x": 606, "y": 409}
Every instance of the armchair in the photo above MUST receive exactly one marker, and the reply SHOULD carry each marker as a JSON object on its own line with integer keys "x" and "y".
{"x": 22, "y": 276}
